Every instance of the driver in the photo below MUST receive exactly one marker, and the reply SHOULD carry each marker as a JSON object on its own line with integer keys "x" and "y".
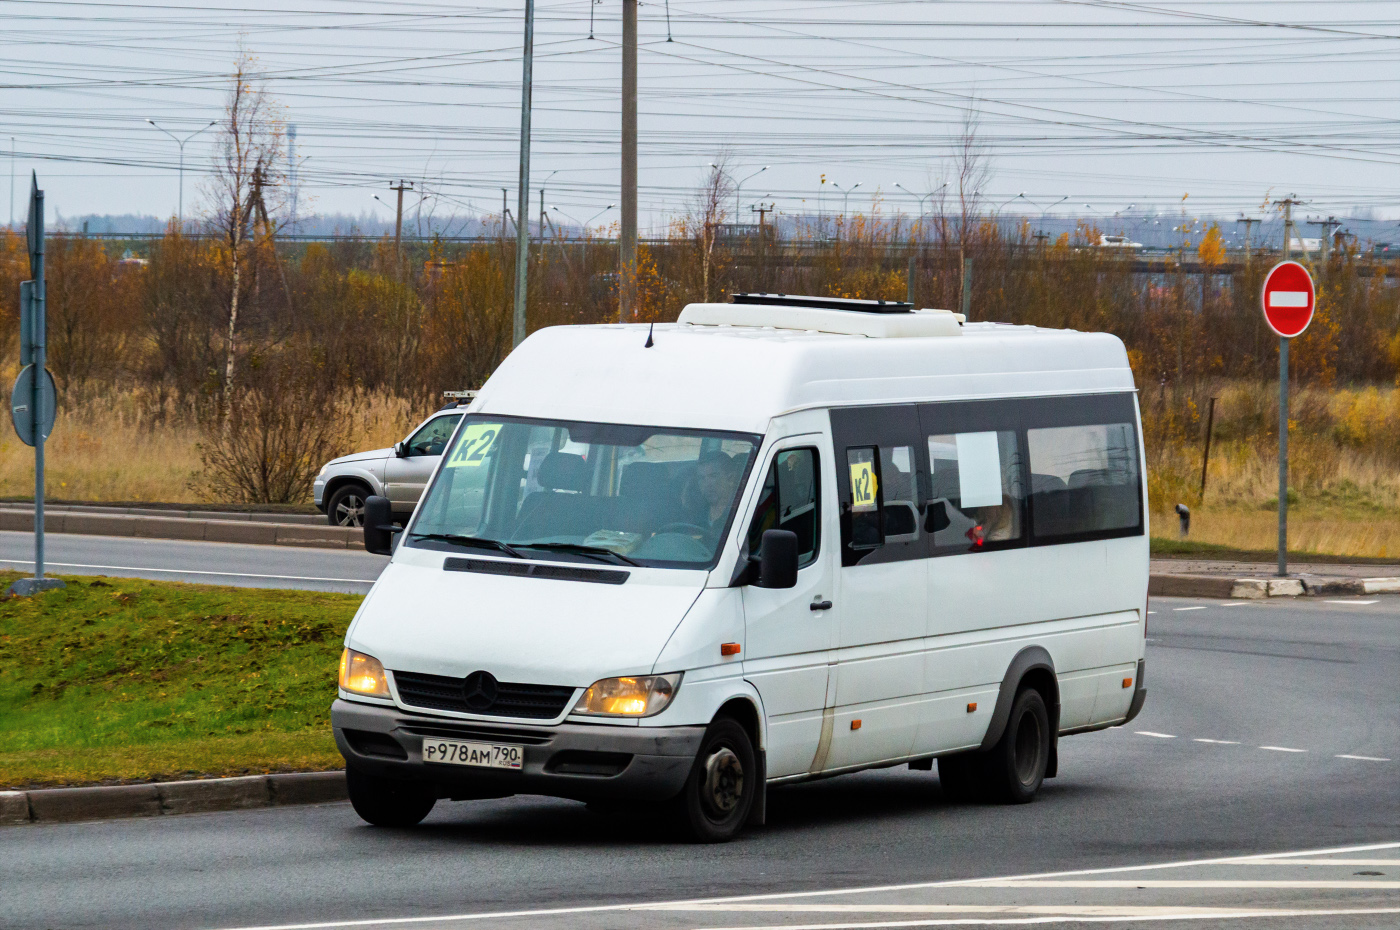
{"x": 713, "y": 491}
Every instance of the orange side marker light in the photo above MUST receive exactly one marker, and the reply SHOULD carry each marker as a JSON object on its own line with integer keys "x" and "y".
{"x": 729, "y": 649}
{"x": 972, "y": 707}
{"x": 1127, "y": 682}
{"x": 855, "y": 724}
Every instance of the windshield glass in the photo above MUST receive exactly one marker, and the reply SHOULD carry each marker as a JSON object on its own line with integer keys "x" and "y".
{"x": 585, "y": 492}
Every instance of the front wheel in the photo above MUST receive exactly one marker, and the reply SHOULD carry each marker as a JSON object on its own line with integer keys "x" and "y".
{"x": 719, "y": 794}
{"x": 388, "y": 802}
{"x": 347, "y": 505}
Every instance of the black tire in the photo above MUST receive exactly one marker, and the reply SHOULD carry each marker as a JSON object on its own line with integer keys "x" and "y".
{"x": 961, "y": 777}
{"x": 715, "y": 803}
{"x": 387, "y": 802}
{"x": 347, "y": 505}
{"x": 1016, "y": 765}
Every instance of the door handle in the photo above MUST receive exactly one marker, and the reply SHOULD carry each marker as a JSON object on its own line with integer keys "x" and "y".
{"x": 820, "y": 605}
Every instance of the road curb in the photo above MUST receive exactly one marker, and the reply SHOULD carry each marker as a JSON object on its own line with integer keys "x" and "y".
{"x": 1225, "y": 587}
{"x": 223, "y": 531}
{"x": 108, "y": 802}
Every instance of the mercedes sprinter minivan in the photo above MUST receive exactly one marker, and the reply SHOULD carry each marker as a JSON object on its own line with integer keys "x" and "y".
{"x": 783, "y": 538}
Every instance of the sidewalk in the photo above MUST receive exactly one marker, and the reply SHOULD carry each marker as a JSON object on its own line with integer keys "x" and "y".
{"x": 1240, "y": 580}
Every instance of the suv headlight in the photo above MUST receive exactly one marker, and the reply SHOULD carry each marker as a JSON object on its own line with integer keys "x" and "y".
{"x": 362, "y": 674}
{"x": 638, "y": 696}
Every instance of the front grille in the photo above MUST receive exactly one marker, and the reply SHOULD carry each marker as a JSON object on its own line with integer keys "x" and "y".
{"x": 438, "y": 692}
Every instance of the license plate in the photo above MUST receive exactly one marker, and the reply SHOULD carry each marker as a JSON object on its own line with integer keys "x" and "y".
{"x": 484, "y": 755}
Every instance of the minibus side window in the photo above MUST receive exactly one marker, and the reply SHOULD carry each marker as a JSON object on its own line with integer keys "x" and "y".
{"x": 977, "y": 499}
{"x": 790, "y": 500}
{"x": 1084, "y": 482}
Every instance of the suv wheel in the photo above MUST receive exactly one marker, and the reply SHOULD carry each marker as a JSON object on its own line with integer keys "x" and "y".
{"x": 347, "y": 505}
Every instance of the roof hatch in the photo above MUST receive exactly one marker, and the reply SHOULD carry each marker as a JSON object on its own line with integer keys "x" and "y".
{"x": 873, "y": 318}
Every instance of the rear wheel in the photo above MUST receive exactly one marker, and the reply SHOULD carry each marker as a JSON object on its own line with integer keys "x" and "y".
{"x": 347, "y": 505}
{"x": 1016, "y": 765}
{"x": 717, "y": 797}
{"x": 388, "y": 802}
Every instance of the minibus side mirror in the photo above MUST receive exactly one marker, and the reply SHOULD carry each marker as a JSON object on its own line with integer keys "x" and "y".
{"x": 777, "y": 559}
{"x": 379, "y": 525}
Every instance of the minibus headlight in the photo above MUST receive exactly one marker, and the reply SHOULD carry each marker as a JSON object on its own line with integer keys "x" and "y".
{"x": 637, "y": 696}
{"x": 362, "y": 674}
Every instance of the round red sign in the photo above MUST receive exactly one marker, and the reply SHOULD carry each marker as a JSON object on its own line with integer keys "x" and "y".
{"x": 1288, "y": 299}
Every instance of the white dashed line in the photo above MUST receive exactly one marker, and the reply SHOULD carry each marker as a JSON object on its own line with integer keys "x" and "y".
{"x": 1158, "y": 735}
{"x": 1179, "y": 609}
{"x": 1236, "y": 604}
{"x": 1281, "y": 749}
{"x": 1151, "y": 612}
{"x": 1351, "y": 602}
{"x": 1362, "y": 758}
{"x": 1220, "y": 742}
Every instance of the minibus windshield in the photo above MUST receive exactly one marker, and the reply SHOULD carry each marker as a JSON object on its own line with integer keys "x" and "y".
{"x": 575, "y": 491}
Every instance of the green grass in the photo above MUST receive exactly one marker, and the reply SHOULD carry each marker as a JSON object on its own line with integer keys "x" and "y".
{"x": 114, "y": 680}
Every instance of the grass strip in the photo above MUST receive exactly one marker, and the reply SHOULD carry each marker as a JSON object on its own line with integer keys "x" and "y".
{"x": 112, "y": 680}
{"x": 1165, "y": 548}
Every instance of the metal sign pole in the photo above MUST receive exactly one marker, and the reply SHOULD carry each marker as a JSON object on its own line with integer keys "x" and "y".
{"x": 1283, "y": 456}
{"x": 36, "y": 351}
{"x": 33, "y": 400}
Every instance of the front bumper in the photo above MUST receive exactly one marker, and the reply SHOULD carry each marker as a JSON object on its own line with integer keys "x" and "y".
{"x": 579, "y": 761}
{"x": 318, "y": 493}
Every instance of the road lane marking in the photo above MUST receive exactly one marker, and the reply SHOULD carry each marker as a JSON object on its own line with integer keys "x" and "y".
{"x": 1179, "y": 609}
{"x": 1282, "y": 749}
{"x": 1221, "y": 742}
{"x": 1169, "y": 914}
{"x": 872, "y": 889}
{"x": 1351, "y": 602}
{"x": 1362, "y": 758}
{"x": 186, "y": 571}
{"x": 1158, "y": 735}
{"x": 1235, "y": 604}
{"x": 1292, "y": 884}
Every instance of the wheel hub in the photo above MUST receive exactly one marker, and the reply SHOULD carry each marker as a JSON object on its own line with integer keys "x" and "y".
{"x": 350, "y": 511}
{"x": 724, "y": 780}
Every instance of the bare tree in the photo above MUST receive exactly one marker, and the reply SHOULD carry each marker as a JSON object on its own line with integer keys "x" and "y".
{"x": 972, "y": 171}
{"x": 246, "y": 187}
{"x": 709, "y": 213}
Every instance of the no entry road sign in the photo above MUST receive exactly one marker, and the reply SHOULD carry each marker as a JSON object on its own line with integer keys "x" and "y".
{"x": 1289, "y": 299}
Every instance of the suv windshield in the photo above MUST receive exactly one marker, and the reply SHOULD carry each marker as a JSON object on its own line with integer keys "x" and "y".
{"x": 585, "y": 492}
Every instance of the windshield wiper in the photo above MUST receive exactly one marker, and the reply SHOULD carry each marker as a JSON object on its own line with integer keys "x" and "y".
{"x": 479, "y": 541}
{"x": 596, "y": 551}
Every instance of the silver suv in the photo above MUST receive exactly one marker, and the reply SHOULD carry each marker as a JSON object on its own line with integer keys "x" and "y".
{"x": 400, "y": 473}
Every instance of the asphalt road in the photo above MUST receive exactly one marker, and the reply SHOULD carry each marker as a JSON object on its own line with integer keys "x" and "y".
{"x": 1270, "y": 728}
{"x": 351, "y": 571}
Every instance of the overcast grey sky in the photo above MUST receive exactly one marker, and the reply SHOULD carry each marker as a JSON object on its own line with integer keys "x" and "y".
{"x": 1106, "y": 104}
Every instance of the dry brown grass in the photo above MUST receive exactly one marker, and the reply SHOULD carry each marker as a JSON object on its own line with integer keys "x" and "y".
{"x": 100, "y": 452}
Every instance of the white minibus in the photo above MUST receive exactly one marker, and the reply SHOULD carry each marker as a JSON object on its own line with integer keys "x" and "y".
{"x": 783, "y": 538}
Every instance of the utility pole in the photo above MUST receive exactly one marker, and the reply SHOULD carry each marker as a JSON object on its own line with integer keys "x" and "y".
{"x": 398, "y": 222}
{"x": 762, "y": 210}
{"x": 967, "y": 289}
{"x": 505, "y": 211}
{"x": 292, "y": 170}
{"x": 627, "y": 245}
{"x": 1326, "y": 235}
{"x": 1249, "y": 223}
{"x": 12, "y": 182}
{"x": 522, "y": 213}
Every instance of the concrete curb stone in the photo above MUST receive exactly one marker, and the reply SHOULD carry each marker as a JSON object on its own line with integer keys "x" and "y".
{"x": 14, "y": 807}
{"x": 64, "y": 805}
{"x": 214, "y": 794}
{"x": 307, "y": 787}
{"x": 201, "y": 795}
{"x": 1190, "y": 586}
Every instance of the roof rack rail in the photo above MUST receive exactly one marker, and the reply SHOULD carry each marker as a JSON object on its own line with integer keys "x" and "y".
{"x": 824, "y": 303}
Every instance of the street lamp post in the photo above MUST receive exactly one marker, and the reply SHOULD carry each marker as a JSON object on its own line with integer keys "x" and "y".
{"x": 909, "y": 276}
{"x": 181, "y": 143}
{"x": 845, "y": 200}
{"x": 739, "y": 186}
